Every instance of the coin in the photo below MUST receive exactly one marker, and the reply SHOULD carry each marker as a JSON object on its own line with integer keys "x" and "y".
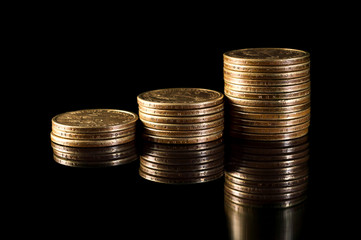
{"x": 184, "y": 140}
{"x": 182, "y": 147}
{"x": 96, "y": 150}
{"x": 183, "y": 161}
{"x": 269, "y": 137}
{"x": 268, "y": 103}
{"x": 189, "y": 174}
{"x": 180, "y": 98}
{"x": 181, "y": 168}
{"x": 191, "y": 133}
{"x": 114, "y": 162}
{"x": 183, "y": 126}
{"x": 180, "y": 180}
{"x": 91, "y": 143}
{"x": 250, "y": 109}
{"x": 94, "y": 120}
{"x": 185, "y": 153}
{"x": 266, "y": 69}
{"x": 267, "y": 96}
{"x": 94, "y": 157}
{"x": 268, "y": 178}
{"x": 265, "y": 76}
{"x": 271, "y": 116}
{"x": 267, "y": 172}
{"x": 183, "y": 112}
{"x": 269, "y": 130}
{"x": 266, "y": 56}
{"x": 266, "y": 82}
{"x": 269, "y": 123}
{"x": 95, "y": 136}
{"x": 267, "y": 89}
{"x": 177, "y": 120}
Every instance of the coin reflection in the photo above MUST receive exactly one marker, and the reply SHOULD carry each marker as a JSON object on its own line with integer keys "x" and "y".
{"x": 182, "y": 163}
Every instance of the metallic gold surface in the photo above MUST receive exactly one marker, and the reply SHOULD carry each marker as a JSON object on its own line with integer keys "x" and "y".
{"x": 184, "y": 148}
{"x": 269, "y": 123}
{"x": 184, "y": 140}
{"x": 183, "y": 112}
{"x": 95, "y": 157}
{"x": 194, "y": 160}
{"x": 267, "y": 96}
{"x": 269, "y": 137}
{"x": 268, "y": 103}
{"x": 114, "y": 162}
{"x": 265, "y": 82}
{"x": 188, "y": 174}
{"x": 266, "y": 190}
{"x": 266, "y": 69}
{"x": 183, "y": 126}
{"x": 268, "y": 178}
{"x": 181, "y": 168}
{"x": 95, "y": 136}
{"x": 267, "y": 89}
{"x": 265, "y": 76}
{"x": 266, "y": 56}
{"x": 180, "y": 98}
{"x": 183, "y": 153}
{"x": 93, "y": 151}
{"x": 250, "y": 109}
{"x": 271, "y": 116}
{"x": 94, "y": 120}
{"x": 265, "y": 130}
{"x": 191, "y": 133}
{"x": 178, "y": 120}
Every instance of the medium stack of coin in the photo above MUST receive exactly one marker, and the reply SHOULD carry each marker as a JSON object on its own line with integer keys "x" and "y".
{"x": 94, "y": 137}
{"x": 268, "y": 93}
{"x": 264, "y": 173}
{"x": 181, "y": 115}
{"x": 182, "y": 163}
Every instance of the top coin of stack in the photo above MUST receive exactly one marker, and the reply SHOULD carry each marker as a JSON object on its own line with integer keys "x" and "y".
{"x": 181, "y": 115}
{"x": 268, "y": 93}
{"x": 94, "y": 137}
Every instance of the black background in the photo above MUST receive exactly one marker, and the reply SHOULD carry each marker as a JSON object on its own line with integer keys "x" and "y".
{"x": 90, "y": 59}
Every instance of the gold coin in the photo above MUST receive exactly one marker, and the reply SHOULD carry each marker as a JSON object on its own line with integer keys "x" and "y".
{"x": 183, "y": 112}
{"x": 268, "y": 103}
{"x": 265, "y": 130}
{"x": 268, "y": 172}
{"x": 94, "y": 157}
{"x": 268, "y": 89}
{"x": 183, "y": 126}
{"x": 181, "y": 147}
{"x": 267, "y": 96}
{"x": 267, "y": 82}
{"x": 177, "y": 120}
{"x": 94, "y": 120}
{"x": 188, "y": 174}
{"x": 186, "y": 160}
{"x": 191, "y": 133}
{"x": 266, "y": 56}
{"x": 271, "y": 116}
{"x": 269, "y": 123}
{"x": 181, "y": 168}
{"x": 184, "y": 140}
{"x": 96, "y": 150}
{"x": 269, "y": 164}
{"x": 180, "y": 98}
{"x": 252, "y": 178}
{"x": 266, "y": 69}
{"x": 114, "y": 162}
{"x": 269, "y": 137}
{"x": 180, "y": 180}
{"x": 264, "y": 76}
{"x": 286, "y": 109}
{"x": 91, "y": 143}
{"x": 95, "y": 136}
{"x": 266, "y": 184}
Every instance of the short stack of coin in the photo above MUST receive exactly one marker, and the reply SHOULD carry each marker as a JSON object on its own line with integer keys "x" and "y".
{"x": 94, "y": 137}
{"x": 268, "y": 93}
{"x": 181, "y": 115}
{"x": 182, "y": 163}
{"x": 267, "y": 173}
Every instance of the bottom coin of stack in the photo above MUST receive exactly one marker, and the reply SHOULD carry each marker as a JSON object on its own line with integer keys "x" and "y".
{"x": 94, "y": 138}
{"x": 182, "y": 164}
{"x": 267, "y": 173}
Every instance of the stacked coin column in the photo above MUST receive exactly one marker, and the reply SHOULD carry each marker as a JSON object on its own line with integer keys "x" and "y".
{"x": 94, "y": 138}
{"x": 181, "y": 116}
{"x": 268, "y": 93}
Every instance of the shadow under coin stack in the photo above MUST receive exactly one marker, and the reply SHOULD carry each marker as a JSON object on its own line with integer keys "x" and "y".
{"x": 182, "y": 163}
{"x": 268, "y": 93}
{"x": 94, "y": 138}
{"x": 180, "y": 116}
{"x": 264, "y": 173}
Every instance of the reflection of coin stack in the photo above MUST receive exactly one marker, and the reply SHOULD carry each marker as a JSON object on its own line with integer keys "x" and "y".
{"x": 267, "y": 173}
{"x": 181, "y": 115}
{"x": 268, "y": 93}
{"x": 182, "y": 163}
{"x": 94, "y": 138}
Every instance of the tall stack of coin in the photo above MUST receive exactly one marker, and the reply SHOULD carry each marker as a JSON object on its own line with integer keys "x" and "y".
{"x": 94, "y": 137}
{"x": 181, "y": 115}
{"x": 264, "y": 173}
{"x": 182, "y": 163}
{"x": 268, "y": 93}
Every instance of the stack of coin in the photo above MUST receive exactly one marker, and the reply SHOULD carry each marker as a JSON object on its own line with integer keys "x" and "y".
{"x": 182, "y": 163}
{"x": 94, "y": 137}
{"x": 264, "y": 173}
{"x": 268, "y": 93}
{"x": 181, "y": 115}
